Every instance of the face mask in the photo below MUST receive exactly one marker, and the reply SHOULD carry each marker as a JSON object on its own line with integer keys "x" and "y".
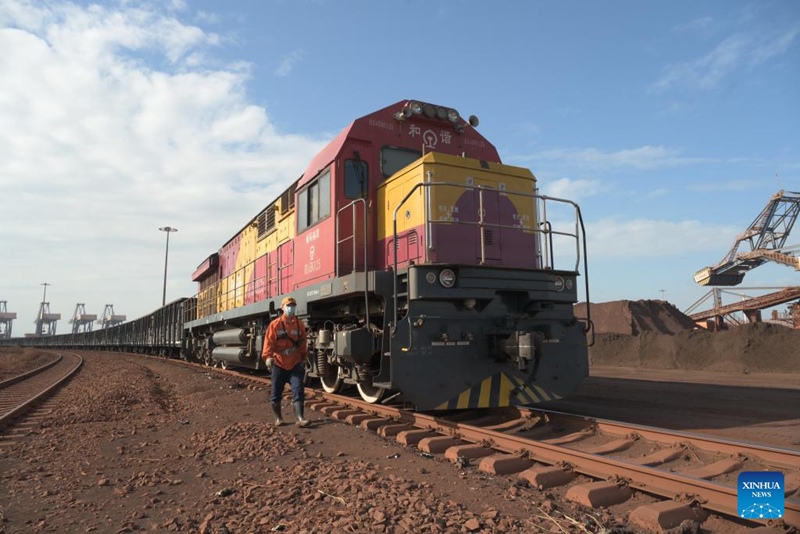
{"x": 289, "y": 310}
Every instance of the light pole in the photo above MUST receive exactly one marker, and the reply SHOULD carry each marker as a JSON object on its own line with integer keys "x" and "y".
{"x": 166, "y": 229}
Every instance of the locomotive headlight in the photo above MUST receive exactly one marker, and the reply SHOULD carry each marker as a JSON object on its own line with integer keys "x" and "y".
{"x": 470, "y": 304}
{"x": 453, "y": 116}
{"x": 415, "y": 107}
{"x": 429, "y": 110}
{"x": 447, "y": 278}
{"x": 559, "y": 283}
{"x": 430, "y": 278}
{"x": 441, "y": 113}
{"x": 570, "y": 283}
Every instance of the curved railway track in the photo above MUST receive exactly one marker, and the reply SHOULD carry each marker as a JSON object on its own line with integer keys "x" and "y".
{"x": 19, "y": 394}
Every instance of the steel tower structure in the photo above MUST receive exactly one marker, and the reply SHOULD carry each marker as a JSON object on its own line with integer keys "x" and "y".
{"x": 6, "y": 319}
{"x": 766, "y": 239}
{"x": 109, "y": 318}
{"x": 46, "y": 322}
{"x": 81, "y": 321}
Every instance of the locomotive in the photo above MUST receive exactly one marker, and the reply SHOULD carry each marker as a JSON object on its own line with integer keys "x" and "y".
{"x": 424, "y": 268}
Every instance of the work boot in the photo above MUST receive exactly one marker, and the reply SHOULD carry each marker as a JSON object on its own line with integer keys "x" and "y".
{"x": 276, "y": 409}
{"x": 298, "y": 412}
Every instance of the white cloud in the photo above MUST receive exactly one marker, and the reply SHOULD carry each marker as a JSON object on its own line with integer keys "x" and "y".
{"x": 698, "y": 24}
{"x": 748, "y": 49}
{"x": 207, "y": 17}
{"x": 773, "y": 46}
{"x": 98, "y": 149}
{"x": 648, "y": 238}
{"x": 288, "y": 63}
{"x": 727, "y": 185}
{"x": 575, "y": 190}
{"x": 643, "y": 158}
{"x": 655, "y": 193}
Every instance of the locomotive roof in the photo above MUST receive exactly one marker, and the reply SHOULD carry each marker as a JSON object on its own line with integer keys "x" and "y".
{"x": 388, "y": 123}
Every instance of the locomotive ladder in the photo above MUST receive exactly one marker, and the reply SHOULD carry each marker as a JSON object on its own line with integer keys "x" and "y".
{"x": 352, "y": 238}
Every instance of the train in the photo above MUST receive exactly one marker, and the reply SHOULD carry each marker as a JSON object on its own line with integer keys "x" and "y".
{"x": 427, "y": 273}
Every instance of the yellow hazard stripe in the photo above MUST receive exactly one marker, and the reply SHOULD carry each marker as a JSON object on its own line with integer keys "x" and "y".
{"x": 499, "y": 389}
{"x": 486, "y": 389}
{"x": 463, "y": 399}
{"x": 506, "y": 386}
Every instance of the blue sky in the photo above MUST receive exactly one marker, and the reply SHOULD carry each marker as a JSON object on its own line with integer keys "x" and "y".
{"x": 671, "y": 123}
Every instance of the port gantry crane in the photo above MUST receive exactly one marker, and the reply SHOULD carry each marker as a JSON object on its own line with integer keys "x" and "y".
{"x": 109, "y": 318}
{"x": 82, "y": 321}
{"x": 766, "y": 238}
{"x": 45, "y": 321}
{"x": 6, "y": 320}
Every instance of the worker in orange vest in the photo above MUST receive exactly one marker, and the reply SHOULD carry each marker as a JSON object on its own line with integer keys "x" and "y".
{"x": 285, "y": 351}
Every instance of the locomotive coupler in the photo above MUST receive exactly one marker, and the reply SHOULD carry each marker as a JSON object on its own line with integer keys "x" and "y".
{"x": 520, "y": 347}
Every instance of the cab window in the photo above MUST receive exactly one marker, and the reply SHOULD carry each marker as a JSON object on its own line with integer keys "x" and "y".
{"x": 355, "y": 178}
{"x": 314, "y": 201}
{"x": 393, "y": 159}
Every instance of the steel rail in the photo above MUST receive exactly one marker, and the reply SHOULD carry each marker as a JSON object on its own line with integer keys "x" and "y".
{"x": 774, "y": 456}
{"x": 24, "y": 376}
{"x": 711, "y": 496}
{"x": 21, "y": 408}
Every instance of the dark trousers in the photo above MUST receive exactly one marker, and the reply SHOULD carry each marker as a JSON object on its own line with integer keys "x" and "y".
{"x": 280, "y": 377}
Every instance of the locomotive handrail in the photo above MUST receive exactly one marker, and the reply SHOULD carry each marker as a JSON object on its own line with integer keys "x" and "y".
{"x": 353, "y": 237}
{"x": 549, "y": 262}
{"x": 578, "y": 226}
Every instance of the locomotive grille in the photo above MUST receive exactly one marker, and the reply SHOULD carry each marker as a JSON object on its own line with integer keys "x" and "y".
{"x": 270, "y": 218}
{"x": 287, "y": 198}
{"x": 266, "y": 221}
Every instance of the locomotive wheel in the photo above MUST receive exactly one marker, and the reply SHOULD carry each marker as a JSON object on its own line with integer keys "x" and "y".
{"x": 370, "y": 393}
{"x": 331, "y": 381}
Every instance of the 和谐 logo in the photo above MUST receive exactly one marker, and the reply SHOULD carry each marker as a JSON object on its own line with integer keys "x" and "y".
{"x": 760, "y": 495}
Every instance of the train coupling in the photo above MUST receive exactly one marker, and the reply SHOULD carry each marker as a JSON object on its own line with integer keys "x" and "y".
{"x": 520, "y": 347}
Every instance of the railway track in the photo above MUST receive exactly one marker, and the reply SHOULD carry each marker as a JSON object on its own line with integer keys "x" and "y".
{"x": 20, "y": 394}
{"x": 601, "y": 462}
{"x": 605, "y": 462}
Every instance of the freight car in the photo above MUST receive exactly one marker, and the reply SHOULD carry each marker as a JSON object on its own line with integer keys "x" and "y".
{"x": 427, "y": 271}
{"x": 159, "y": 333}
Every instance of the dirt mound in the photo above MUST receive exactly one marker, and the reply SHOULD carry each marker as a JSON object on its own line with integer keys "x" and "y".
{"x": 654, "y": 334}
{"x": 633, "y": 317}
{"x": 759, "y": 347}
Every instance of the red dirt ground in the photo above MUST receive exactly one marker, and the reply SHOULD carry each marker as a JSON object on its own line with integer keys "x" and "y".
{"x": 135, "y": 445}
